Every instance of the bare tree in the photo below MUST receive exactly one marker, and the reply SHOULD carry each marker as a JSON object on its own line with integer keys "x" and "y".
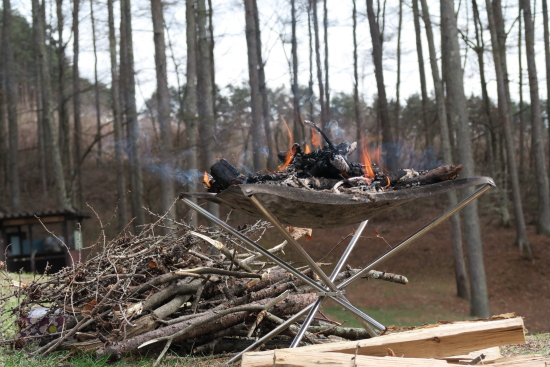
{"x": 324, "y": 113}
{"x": 456, "y": 232}
{"x": 383, "y": 113}
{"x": 541, "y": 173}
{"x": 191, "y": 95}
{"x": 503, "y": 108}
{"x": 479, "y": 302}
{"x": 423, "y": 89}
{"x": 298, "y": 125}
{"x": 117, "y": 121}
{"x": 96, "y": 87}
{"x": 356, "y": 103}
{"x": 205, "y": 102}
{"x": 253, "y": 77}
{"x": 129, "y": 91}
{"x": 546, "y": 22}
{"x": 8, "y": 69}
{"x": 50, "y": 130}
{"x": 76, "y": 105}
{"x": 64, "y": 127}
{"x": 398, "y": 84}
{"x": 266, "y": 115}
{"x": 163, "y": 106}
{"x": 327, "y": 89}
{"x": 520, "y": 112}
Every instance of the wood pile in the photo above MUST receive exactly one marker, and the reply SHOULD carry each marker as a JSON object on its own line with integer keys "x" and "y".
{"x": 467, "y": 342}
{"x": 193, "y": 290}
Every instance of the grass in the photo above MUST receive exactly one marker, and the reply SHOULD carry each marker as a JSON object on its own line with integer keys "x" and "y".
{"x": 397, "y": 316}
{"x": 536, "y": 344}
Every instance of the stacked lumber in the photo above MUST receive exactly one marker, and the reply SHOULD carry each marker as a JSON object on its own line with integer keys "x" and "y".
{"x": 432, "y": 345}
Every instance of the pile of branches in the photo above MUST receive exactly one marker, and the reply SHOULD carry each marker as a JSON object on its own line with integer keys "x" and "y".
{"x": 191, "y": 289}
{"x": 328, "y": 169}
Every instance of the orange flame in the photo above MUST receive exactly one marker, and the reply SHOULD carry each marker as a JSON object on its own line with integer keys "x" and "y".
{"x": 366, "y": 161}
{"x": 315, "y": 138}
{"x": 206, "y": 179}
{"x": 291, "y": 148}
{"x": 307, "y": 149}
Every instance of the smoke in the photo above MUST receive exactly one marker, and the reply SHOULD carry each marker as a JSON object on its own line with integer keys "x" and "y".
{"x": 335, "y": 131}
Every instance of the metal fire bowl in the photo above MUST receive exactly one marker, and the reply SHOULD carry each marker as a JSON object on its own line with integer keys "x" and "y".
{"x": 315, "y": 209}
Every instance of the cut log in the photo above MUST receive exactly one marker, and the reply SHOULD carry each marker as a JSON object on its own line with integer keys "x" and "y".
{"x": 430, "y": 342}
{"x": 297, "y": 357}
{"x": 490, "y": 355}
{"x": 533, "y": 360}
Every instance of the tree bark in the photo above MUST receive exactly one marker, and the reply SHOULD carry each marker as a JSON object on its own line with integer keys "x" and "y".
{"x": 63, "y": 114}
{"x": 388, "y": 142}
{"x": 398, "y": 84}
{"x": 117, "y": 122}
{"x": 324, "y": 114}
{"x": 427, "y": 128}
{"x": 266, "y": 115}
{"x": 327, "y": 90}
{"x": 356, "y": 103}
{"x": 50, "y": 130}
{"x": 520, "y": 112}
{"x": 76, "y": 107}
{"x": 310, "y": 38}
{"x": 11, "y": 102}
{"x": 503, "y": 108}
{"x": 479, "y": 302}
{"x": 254, "y": 82}
{"x": 456, "y": 233}
{"x": 191, "y": 98}
{"x": 133, "y": 137}
{"x": 543, "y": 219}
{"x": 545, "y": 21}
{"x": 298, "y": 125}
{"x": 205, "y": 103}
{"x": 96, "y": 88}
{"x": 163, "y": 106}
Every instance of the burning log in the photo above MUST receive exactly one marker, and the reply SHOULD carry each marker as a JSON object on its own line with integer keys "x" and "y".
{"x": 329, "y": 168}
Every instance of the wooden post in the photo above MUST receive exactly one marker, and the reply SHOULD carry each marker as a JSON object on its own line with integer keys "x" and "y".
{"x": 31, "y": 247}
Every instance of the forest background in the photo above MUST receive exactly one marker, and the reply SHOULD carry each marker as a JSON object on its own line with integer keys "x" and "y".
{"x": 119, "y": 106}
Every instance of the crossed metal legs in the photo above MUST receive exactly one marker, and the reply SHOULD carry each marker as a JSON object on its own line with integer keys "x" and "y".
{"x": 329, "y": 290}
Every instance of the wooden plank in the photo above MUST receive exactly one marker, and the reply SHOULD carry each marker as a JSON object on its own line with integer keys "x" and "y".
{"x": 432, "y": 342}
{"x": 22, "y": 221}
{"x": 298, "y": 358}
{"x": 491, "y": 354}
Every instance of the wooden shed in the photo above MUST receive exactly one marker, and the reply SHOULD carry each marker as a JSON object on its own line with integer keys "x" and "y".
{"x": 31, "y": 241}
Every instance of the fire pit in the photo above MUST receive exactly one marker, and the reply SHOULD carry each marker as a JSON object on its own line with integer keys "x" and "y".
{"x": 286, "y": 203}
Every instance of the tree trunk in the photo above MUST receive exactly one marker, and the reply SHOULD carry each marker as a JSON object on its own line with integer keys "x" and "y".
{"x": 310, "y": 38}
{"x": 96, "y": 88}
{"x": 211, "y": 48}
{"x": 11, "y": 102}
{"x": 456, "y": 234}
{"x": 388, "y": 142}
{"x": 266, "y": 115}
{"x": 327, "y": 90}
{"x": 357, "y": 107}
{"x": 479, "y": 303}
{"x": 64, "y": 129}
{"x": 76, "y": 107}
{"x": 428, "y": 154}
{"x": 163, "y": 108}
{"x": 130, "y": 109}
{"x": 520, "y": 112}
{"x": 545, "y": 21}
{"x": 298, "y": 125}
{"x": 398, "y": 84}
{"x": 191, "y": 98}
{"x": 503, "y": 108}
{"x": 324, "y": 114}
{"x": 205, "y": 101}
{"x": 253, "y": 77}
{"x": 50, "y": 130}
{"x": 543, "y": 219}
{"x": 3, "y": 148}
{"x": 117, "y": 122}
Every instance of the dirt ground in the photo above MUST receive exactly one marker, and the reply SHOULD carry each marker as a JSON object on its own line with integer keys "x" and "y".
{"x": 514, "y": 284}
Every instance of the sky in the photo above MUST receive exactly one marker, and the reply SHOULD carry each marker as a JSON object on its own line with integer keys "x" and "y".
{"x": 230, "y": 51}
